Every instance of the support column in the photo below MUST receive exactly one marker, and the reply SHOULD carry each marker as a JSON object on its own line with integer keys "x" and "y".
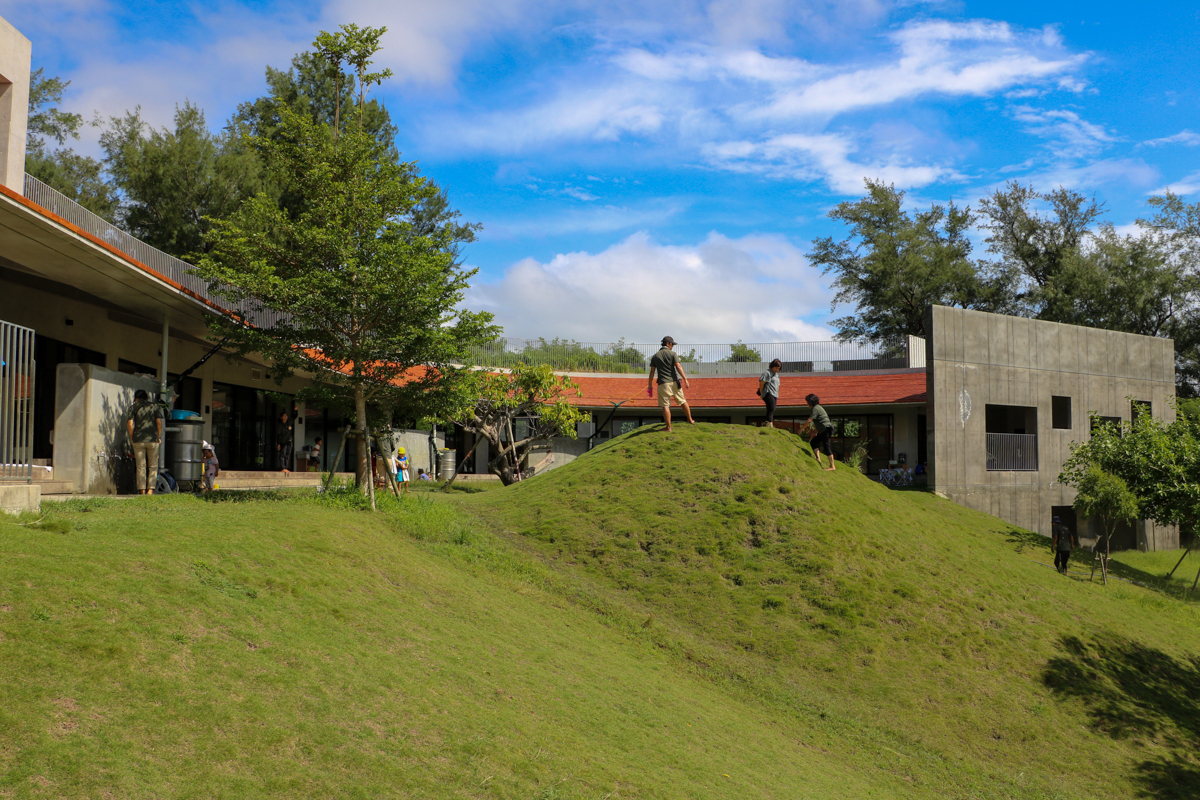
{"x": 162, "y": 387}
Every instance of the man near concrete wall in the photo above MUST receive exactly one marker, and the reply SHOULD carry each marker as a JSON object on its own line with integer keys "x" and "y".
{"x": 144, "y": 426}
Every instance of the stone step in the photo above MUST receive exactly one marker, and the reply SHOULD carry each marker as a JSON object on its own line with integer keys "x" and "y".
{"x": 54, "y": 487}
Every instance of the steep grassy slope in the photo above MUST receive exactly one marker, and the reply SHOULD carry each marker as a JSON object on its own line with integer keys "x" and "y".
{"x": 828, "y": 593}
{"x": 174, "y": 648}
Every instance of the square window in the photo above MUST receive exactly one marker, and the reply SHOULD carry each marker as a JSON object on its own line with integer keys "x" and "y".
{"x": 1060, "y": 412}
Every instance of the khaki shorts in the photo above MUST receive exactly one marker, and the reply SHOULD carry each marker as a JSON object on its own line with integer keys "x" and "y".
{"x": 668, "y": 392}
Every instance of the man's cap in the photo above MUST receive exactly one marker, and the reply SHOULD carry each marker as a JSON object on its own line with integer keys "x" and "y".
{"x": 1056, "y": 519}
{"x": 667, "y": 340}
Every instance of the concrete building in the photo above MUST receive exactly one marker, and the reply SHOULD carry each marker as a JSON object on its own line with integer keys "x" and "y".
{"x": 1008, "y": 396}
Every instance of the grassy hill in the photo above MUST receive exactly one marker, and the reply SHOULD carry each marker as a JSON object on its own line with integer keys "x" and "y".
{"x": 702, "y": 614}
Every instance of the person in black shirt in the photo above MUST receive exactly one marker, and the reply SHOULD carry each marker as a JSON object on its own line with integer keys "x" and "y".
{"x": 283, "y": 442}
{"x": 1061, "y": 539}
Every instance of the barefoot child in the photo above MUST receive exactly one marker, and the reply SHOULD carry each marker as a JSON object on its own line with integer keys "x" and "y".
{"x": 212, "y": 468}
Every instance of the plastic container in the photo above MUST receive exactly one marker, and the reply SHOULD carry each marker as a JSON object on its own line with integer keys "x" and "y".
{"x": 179, "y": 413}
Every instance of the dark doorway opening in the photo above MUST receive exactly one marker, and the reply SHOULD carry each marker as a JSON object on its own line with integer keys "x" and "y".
{"x": 49, "y": 353}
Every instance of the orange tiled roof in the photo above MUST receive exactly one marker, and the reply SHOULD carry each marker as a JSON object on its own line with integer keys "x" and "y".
{"x": 729, "y": 392}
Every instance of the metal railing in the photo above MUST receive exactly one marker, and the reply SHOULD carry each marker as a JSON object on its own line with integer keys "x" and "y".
{"x": 733, "y": 359}
{"x": 1012, "y": 452}
{"x": 16, "y": 402}
{"x": 166, "y": 265}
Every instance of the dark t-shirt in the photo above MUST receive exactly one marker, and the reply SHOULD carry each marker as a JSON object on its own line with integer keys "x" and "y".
{"x": 663, "y": 362}
{"x": 283, "y": 433}
{"x": 1064, "y": 537}
{"x": 145, "y": 418}
{"x": 820, "y": 419}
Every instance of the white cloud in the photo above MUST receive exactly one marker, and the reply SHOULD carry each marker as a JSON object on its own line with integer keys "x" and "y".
{"x": 1184, "y": 137}
{"x": 822, "y": 157}
{"x": 1071, "y": 135}
{"x": 591, "y": 219}
{"x": 1185, "y": 186}
{"x": 757, "y": 288}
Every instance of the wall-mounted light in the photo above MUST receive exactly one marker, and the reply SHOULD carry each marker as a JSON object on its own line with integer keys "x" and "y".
{"x": 70, "y": 321}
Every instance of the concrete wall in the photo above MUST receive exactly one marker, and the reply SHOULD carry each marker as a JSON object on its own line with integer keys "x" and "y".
{"x": 975, "y": 359}
{"x": 95, "y": 327}
{"x": 15, "y": 51}
{"x": 90, "y": 435}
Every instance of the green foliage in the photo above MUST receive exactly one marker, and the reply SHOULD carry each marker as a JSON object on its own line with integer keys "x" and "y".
{"x": 562, "y": 354}
{"x": 894, "y": 265}
{"x": 1107, "y": 497}
{"x": 857, "y": 459}
{"x": 80, "y": 178}
{"x": 175, "y": 181}
{"x": 370, "y": 287}
{"x": 1034, "y": 245}
{"x": 46, "y": 120}
{"x": 740, "y": 354}
{"x": 493, "y": 402}
{"x": 1158, "y": 462}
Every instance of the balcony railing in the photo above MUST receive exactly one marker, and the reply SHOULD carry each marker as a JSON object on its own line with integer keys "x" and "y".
{"x": 16, "y": 402}
{"x": 166, "y": 265}
{"x": 699, "y": 359}
{"x": 1012, "y": 452}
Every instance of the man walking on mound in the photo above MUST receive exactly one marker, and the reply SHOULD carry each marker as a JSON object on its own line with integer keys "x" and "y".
{"x": 664, "y": 364}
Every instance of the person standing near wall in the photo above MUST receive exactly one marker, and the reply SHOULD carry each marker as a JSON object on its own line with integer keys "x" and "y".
{"x": 818, "y": 422}
{"x": 316, "y": 454}
{"x": 1060, "y": 541}
{"x": 144, "y": 426}
{"x": 665, "y": 364}
{"x": 768, "y": 389}
{"x": 283, "y": 442}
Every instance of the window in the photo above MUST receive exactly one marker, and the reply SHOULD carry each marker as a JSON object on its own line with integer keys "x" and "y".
{"x": 1060, "y": 412}
{"x": 1099, "y": 422}
{"x": 1137, "y": 408}
{"x": 1011, "y": 438}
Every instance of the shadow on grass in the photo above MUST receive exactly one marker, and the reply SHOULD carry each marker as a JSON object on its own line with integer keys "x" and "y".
{"x": 1137, "y": 693}
{"x": 1026, "y": 540}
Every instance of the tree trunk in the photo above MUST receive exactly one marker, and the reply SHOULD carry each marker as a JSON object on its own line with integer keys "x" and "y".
{"x": 362, "y": 473}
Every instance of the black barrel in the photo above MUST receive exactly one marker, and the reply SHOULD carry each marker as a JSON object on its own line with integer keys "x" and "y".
{"x": 185, "y": 458}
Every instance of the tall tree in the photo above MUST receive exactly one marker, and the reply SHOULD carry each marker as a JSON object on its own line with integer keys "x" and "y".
{"x": 516, "y": 410}
{"x": 1178, "y": 223}
{"x": 1037, "y": 245}
{"x": 365, "y": 297}
{"x": 895, "y": 264}
{"x": 81, "y": 178}
{"x": 175, "y": 180}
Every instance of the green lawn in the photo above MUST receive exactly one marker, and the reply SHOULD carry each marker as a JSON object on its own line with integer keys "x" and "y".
{"x": 702, "y": 614}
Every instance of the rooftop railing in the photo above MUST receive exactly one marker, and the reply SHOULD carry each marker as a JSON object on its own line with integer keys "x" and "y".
{"x": 166, "y": 265}
{"x": 701, "y": 359}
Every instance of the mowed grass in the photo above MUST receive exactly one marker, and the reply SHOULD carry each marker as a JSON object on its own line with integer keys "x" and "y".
{"x": 825, "y": 592}
{"x": 280, "y": 647}
{"x": 697, "y": 615}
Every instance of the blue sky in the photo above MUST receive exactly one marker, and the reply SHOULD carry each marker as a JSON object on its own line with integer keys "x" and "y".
{"x": 657, "y": 168}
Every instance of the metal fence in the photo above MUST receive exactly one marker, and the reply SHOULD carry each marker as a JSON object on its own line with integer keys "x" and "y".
{"x": 737, "y": 358}
{"x": 1012, "y": 452}
{"x": 16, "y": 402}
{"x": 166, "y": 265}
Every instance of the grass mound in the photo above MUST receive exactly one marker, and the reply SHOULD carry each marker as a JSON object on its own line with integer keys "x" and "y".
{"x": 947, "y": 626}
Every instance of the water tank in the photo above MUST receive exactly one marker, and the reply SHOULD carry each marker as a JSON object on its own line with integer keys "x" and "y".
{"x": 447, "y": 465}
{"x": 184, "y": 457}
